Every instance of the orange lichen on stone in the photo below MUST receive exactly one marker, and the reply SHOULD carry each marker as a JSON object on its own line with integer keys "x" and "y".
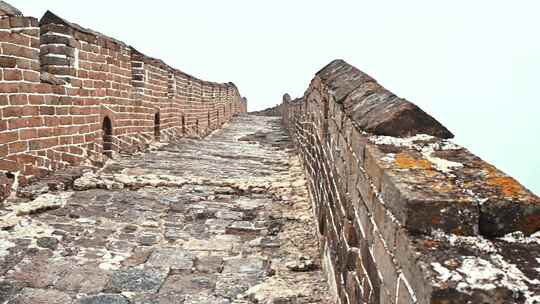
{"x": 509, "y": 186}
{"x": 406, "y": 161}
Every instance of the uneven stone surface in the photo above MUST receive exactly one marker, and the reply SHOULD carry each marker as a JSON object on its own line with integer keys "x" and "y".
{"x": 219, "y": 220}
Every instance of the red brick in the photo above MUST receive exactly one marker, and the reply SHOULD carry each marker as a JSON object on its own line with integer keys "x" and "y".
{"x": 3, "y": 125}
{"x": 7, "y": 62}
{"x": 9, "y": 88}
{"x": 31, "y": 76}
{"x": 65, "y": 120}
{"x": 9, "y": 165}
{"x": 18, "y": 39}
{"x": 43, "y": 88}
{"x": 78, "y": 139}
{"x": 4, "y": 23}
{"x": 36, "y": 99}
{"x": 29, "y": 110}
{"x": 18, "y": 123}
{"x": 20, "y": 51}
{"x": 10, "y": 136}
{"x": 76, "y": 150}
{"x": 3, "y": 151}
{"x": 12, "y": 75}
{"x": 79, "y": 120}
{"x": 19, "y": 21}
{"x": 45, "y": 132}
{"x": 4, "y": 100}
{"x": 46, "y": 110}
{"x": 17, "y": 147}
{"x": 62, "y": 110}
{"x": 51, "y": 121}
{"x": 35, "y": 42}
{"x": 27, "y": 134}
{"x": 39, "y": 144}
{"x": 35, "y": 121}
{"x": 66, "y": 140}
{"x": 72, "y": 159}
{"x": 18, "y": 99}
{"x": 11, "y": 112}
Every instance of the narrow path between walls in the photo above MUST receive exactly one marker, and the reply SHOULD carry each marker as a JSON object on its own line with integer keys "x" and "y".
{"x": 225, "y": 219}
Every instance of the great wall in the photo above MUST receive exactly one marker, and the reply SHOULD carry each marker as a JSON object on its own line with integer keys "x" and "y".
{"x": 124, "y": 180}
{"x": 69, "y": 94}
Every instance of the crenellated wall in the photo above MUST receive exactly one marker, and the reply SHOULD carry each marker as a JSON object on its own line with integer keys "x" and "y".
{"x": 69, "y": 95}
{"x": 404, "y": 215}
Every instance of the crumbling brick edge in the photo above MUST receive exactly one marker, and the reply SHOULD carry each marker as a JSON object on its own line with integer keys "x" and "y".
{"x": 404, "y": 215}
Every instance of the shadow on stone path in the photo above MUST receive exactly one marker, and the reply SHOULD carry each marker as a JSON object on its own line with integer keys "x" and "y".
{"x": 220, "y": 220}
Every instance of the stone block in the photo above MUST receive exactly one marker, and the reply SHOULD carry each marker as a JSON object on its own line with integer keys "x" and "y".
{"x": 403, "y": 294}
{"x": 386, "y": 267}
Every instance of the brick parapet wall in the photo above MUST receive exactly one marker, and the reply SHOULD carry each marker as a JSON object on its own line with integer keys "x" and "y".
{"x": 59, "y": 82}
{"x": 403, "y": 216}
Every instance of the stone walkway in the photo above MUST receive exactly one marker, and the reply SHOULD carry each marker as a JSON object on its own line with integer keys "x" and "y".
{"x": 219, "y": 220}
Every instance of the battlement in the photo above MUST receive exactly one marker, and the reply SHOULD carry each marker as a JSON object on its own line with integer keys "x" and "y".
{"x": 405, "y": 215}
{"x": 69, "y": 95}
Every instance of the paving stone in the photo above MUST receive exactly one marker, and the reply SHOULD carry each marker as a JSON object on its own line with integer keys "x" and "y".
{"x": 209, "y": 264}
{"x": 41, "y": 296}
{"x": 202, "y": 298}
{"x": 47, "y": 242}
{"x": 174, "y": 233}
{"x": 139, "y": 245}
{"x": 139, "y": 256}
{"x": 173, "y": 258}
{"x": 149, "y": 239}
{"x": 245, "y": 265}
{"x": 229, "y": 215}
{"x": 230, "y": 285}
{"x": 136, "y": 280}
{"x": 8, "y": 290}
{"x": 243, "y": 227}
{"x": 265, "y": 242}
{"x": 88, "y": 279}
{"x": 35, "y": 272}
{"x": 160, "y": 298}
{"x": 188, "y": 284}
{"x": 217, "y": 225}
{"x": 213, "y": 244}
{"x": 104, "y": 299}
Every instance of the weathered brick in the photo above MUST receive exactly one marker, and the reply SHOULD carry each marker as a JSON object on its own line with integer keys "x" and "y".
{"x": 404, "y": 296}
{"x": 12, "y": 75}
{"x": 386, "y": 266}
{"x": 27, "y": 134}
{"x": 9, "y": 136}
{"x": 20, "y": 51}
{"x": 17, "y": 147}
{"x": 8, "y": 62}
{"x": 31, "y": 76}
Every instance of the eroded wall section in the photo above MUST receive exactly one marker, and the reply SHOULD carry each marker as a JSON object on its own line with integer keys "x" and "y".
{"x": 70, "y": 95}
{"x": 404, "y": 215}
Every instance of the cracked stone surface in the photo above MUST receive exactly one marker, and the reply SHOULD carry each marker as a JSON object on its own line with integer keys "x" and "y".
{"x": 217, "y": 220}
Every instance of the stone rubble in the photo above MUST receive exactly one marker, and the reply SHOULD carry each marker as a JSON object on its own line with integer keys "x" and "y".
{"x": 220, "y": 220}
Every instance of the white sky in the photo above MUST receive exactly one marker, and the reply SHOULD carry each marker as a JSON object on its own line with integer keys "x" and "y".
{"x": 471, "y": 64}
